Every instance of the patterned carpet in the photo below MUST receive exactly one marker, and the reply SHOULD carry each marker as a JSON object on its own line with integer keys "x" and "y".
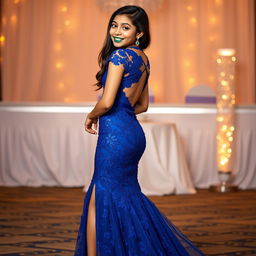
{"x": 44, "y": 221}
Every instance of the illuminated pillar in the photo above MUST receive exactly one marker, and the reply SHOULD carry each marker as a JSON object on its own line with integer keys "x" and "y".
{"x": 225, "y": 99}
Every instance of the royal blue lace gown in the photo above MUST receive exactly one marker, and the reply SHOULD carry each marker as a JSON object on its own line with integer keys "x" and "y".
{"x": 127, "y": 222}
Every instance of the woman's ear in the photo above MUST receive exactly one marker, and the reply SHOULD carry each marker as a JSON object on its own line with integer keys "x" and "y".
{"x": 139, "y": 35}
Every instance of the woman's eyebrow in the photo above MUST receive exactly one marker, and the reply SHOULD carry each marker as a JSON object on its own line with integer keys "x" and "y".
{"x": 122, "y": 23}
{"x": 126, "y": 24}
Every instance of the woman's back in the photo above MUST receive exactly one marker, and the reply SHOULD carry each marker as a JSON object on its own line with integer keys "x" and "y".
{"x": 135, "y": 77}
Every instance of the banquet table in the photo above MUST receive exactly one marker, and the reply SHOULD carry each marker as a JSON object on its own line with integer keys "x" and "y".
{"x": 53, "y": 149}
{"x": 45, "y": 144}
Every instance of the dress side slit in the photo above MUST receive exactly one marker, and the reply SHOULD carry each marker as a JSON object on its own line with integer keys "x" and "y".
{"x": 91, "y": 225}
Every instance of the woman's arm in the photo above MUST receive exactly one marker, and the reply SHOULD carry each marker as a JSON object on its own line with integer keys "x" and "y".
{"x": 142, "y": 104}
{"x": 114, "y": 77}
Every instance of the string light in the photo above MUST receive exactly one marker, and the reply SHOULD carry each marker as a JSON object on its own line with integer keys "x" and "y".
{"x": 224, "y": 96}
{"x": 220, "y": 118}
{"x": 224, "y": 82}
{"x": 67, "y": 23}
{"x": 193, "y": 20}
{"x": 2, "y": 39}
{"x": 189, "y": 8}
{"x": 218, "y": 2}
{"x": 191, "y": 45}
{"x": 191, "y": 80}
{"x": 187, "y": 63}
{"x": 59, "y": 64}
{"x": 13, "y": 19}
{"x": 61, "y": 85}
{"x": 212, "y": 38}
{"x": 213, "y": 20}
{"x": 64, "y": 8}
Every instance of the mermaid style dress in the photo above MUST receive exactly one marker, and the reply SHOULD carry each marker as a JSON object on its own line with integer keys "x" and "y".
{"x": 127, "y": 222}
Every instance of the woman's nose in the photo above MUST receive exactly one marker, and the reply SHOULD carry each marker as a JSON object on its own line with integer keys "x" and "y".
{"x": 118, "y": 31}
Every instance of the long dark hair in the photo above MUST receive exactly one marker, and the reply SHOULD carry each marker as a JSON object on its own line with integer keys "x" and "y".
{"x": 139, "y": 19}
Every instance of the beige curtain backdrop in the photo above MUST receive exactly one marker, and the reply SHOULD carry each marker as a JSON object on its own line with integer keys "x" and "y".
{"x": 50, "y": 48}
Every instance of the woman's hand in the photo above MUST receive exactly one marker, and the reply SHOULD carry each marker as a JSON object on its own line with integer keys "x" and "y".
{"x": 89, "y": 123}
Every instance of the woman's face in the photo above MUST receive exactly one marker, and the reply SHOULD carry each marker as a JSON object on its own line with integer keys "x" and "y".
{"x": 123, "y": 32}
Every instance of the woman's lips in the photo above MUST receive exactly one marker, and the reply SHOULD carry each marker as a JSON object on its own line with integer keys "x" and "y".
{"x": 117, "y": 39}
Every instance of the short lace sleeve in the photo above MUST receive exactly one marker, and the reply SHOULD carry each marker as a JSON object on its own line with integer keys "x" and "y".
{"x": 119, "y": 57}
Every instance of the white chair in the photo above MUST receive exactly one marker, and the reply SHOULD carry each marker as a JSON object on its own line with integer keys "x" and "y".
{"x": 201, "y": 94}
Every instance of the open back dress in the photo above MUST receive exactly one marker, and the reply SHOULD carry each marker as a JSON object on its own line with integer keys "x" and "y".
{"x": 127, "y": 222}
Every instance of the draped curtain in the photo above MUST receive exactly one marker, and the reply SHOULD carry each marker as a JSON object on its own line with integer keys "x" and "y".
{"x": 50, "y": 48}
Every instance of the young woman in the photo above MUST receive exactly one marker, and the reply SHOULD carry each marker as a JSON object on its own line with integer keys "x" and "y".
{"x": 118, "y": 219}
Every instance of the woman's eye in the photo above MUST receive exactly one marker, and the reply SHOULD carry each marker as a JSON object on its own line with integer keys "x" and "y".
{"x": 113, "y": 25}
{"x": 126, "y": 28}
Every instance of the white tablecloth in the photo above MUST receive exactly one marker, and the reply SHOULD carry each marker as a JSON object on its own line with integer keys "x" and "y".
{"x": 53, "y": 149}
{"x": 46, "y": 145}
{"x": 163, "y": 167}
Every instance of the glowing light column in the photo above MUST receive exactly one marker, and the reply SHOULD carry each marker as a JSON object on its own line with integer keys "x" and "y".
{"x": 225, "y": 116}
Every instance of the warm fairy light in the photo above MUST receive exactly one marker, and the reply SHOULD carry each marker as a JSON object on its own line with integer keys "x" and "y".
{"x": 224, "y": 96}
{"x": 213, "y": 20}
{"x": 226, "y": 52}
{"x": 69, "y": 99}
{"x": 191, "y": 45}
{"x": 233, "y": 58}
{"x": 61, "y": 85}
{"x": 212, "y": 38}
{"x": 13, "y": 19}
{"x": 224, "y": 161}
{"x": 228, "y": 134}
{"x": 224, "y": 127}
{"x": 218, "y": 60}
{"x": 231, "y": 77}
{"x": 64, "y": 8}
{"x": 2, "y": 39}
{"x": 222, "y": 74}
{"x": 189, "y": 8}
{"x": 67, "y": 23}
{"x": 224, "y": 82}
{"x": 193, "y": 20}
{"x": 187, "y": 63}
{"x": 59, "y": 64}
{"x": 224, "y": 145}
{"x": 191, "y": 80}
{"x": 16, "y": 1}
{"x": 218, "y": 2}
{"x": 220, "y": 118}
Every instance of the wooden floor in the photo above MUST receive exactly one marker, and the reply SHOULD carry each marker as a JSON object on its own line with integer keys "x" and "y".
{"x": 44, "y": 221}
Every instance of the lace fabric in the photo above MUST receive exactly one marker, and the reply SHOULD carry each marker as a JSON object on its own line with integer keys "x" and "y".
{"x": 127, "y": 222}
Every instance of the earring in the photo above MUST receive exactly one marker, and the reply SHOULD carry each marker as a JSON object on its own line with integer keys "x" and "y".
{"x": 137, "y": 42}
